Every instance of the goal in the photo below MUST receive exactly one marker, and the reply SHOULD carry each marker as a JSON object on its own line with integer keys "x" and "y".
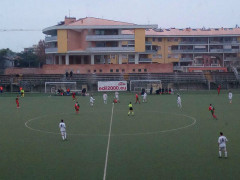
{"x": 138, "y": 85}
{"x": 52, "y": 87}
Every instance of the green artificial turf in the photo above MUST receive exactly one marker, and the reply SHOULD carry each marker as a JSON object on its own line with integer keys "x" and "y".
{"x": 159, "y": 142}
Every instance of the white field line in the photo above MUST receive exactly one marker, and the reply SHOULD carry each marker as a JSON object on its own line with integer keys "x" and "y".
{"x": 109, "y": 138}
{"x": 124, "y": 134}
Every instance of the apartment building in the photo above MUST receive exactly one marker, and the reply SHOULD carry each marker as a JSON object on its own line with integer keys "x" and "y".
{"x": 119, "y": 47}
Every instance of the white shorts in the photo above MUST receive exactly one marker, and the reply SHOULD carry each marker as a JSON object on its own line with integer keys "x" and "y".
{"x": 222, "y": 148}
{"x": 63, "y": 133}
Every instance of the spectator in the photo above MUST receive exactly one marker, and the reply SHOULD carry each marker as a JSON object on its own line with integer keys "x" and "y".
{"x": 151, "y": 89}
{"x": 71, "y": 73}
{"x": 67, "y": 74}
{"x": 84, "y": 92}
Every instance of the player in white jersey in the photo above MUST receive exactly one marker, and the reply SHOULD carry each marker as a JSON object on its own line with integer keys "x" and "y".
{"x": 222, "y": 145}
{"x": 117, "y": 96}
{"x": 144, "y": 97}
{"x": 91, "y": 100}
{"x": 62, "y": 128}
{"x": 230, "y": 95}
{"x": 179, "y": 101}
{"x": 105, "y": 98}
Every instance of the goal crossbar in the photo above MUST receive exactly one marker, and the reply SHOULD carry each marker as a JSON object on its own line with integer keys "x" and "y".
{"x": 46, "y": 83}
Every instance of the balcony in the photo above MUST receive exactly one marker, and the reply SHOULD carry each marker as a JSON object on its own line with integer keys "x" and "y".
{"x": 189, "y": 51}
{"x": 145, "y": 60}
{"x": 122, "y": 37}
{"x": 148, "y": 43}
{"x": 224, "y": 42}
{"x": 150, "y": 52}
{"x": 110, "y": 49}
{"x": 225, "y": 50}
{"x": 51, "y": 50}
{"x": 51, "y": 39}
{"x": 232, "y": 59}
{"x": 192, "y": 42}
{"x": 187, "y": 59}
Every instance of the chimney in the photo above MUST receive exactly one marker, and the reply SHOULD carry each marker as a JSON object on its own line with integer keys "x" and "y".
{"x": 69, "y": 20}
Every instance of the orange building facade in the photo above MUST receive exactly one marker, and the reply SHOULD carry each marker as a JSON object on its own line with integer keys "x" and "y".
{"x": 93, "y": 45}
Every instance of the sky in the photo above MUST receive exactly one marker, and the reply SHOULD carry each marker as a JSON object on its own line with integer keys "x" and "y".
{"x": 36, "y": 15}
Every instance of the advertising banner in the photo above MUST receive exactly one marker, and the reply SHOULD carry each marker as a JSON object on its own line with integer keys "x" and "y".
{"x": 112, "y": 85}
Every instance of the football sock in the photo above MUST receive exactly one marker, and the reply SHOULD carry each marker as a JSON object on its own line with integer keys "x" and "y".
{"x": 220, "y": 153}
{"x": 226, "y": 154}
{"x": 63, "y": 137}
{"x": 128, "y": 112}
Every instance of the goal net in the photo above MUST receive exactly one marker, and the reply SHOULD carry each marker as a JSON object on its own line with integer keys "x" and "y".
{"x": 139, "y": 85}
{"x": 53, "y": 87}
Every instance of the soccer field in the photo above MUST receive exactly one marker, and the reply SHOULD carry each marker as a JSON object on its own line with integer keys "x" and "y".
{"x": 160, "y": 141}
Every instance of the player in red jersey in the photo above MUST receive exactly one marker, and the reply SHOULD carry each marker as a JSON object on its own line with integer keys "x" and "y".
{"x": 218, "y": 89}
{"x": 212, "y": 109}
{"x": 17, "y": 102}
{"x": 137, "y": 99}
{"x": 74, "y": 96}
{"x": 77, "y": 106}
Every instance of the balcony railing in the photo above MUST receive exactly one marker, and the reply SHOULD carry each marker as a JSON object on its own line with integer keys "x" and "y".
{"x": 189, "y": 50}
{"x": 193, "y": 42}
{"x": 145, "y": 60}
{"x": 224, "y": 42}
{"x": 148, "y": 43}
{"x": 121, "y": 37}
{"x": 111, "y": 49}
{"x": 51, "y": 39}
{"x": 232, "y": 59}
{"x": 186, "y": 59}
{"x": 225, "y": 50}
{"x": 131, "y": 60}
{"x": 51, "y": 50}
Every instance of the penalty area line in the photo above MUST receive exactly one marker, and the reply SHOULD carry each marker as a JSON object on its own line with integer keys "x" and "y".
{"x": 109, "y": 139}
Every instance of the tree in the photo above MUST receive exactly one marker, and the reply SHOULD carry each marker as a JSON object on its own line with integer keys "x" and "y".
{"x": 40, "y": 52}
{"x": 28, "y": 59}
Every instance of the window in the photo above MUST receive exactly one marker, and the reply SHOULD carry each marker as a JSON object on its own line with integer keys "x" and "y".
{"x": 145, "y": 70}
{"x": 153, "y": 39}
{"x": 111, "y": 70}
{"x": 139, "y": 70}
{"x": 159, "y": 39}
{"x": 133, "y": 70}
{"x": 117, "y": 70}
{"x": 100, "y": 70}
{"x": 123, "y": 70}
{"x": 112, "y": 56}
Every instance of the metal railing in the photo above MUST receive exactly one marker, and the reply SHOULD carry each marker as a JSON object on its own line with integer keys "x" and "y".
{"x": 51, "y": 39}
{"x": 111, "y": 49}
{"x": 51, "y": 50}
{"x": 109, "y": 37}
{"x": 193, "y": 42}
{"x": 145, "y": 60}
{"x": 186, "y": 59}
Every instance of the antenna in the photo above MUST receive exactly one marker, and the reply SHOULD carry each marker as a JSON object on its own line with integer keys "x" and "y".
{"x": 69, "y": 13}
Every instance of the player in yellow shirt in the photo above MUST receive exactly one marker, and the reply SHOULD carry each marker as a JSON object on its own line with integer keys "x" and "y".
{"x": 130, "y": 109}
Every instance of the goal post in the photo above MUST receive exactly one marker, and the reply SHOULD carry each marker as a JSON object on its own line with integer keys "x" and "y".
{"x": 53, "y": 86}
{"x": 138, "y": 85}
